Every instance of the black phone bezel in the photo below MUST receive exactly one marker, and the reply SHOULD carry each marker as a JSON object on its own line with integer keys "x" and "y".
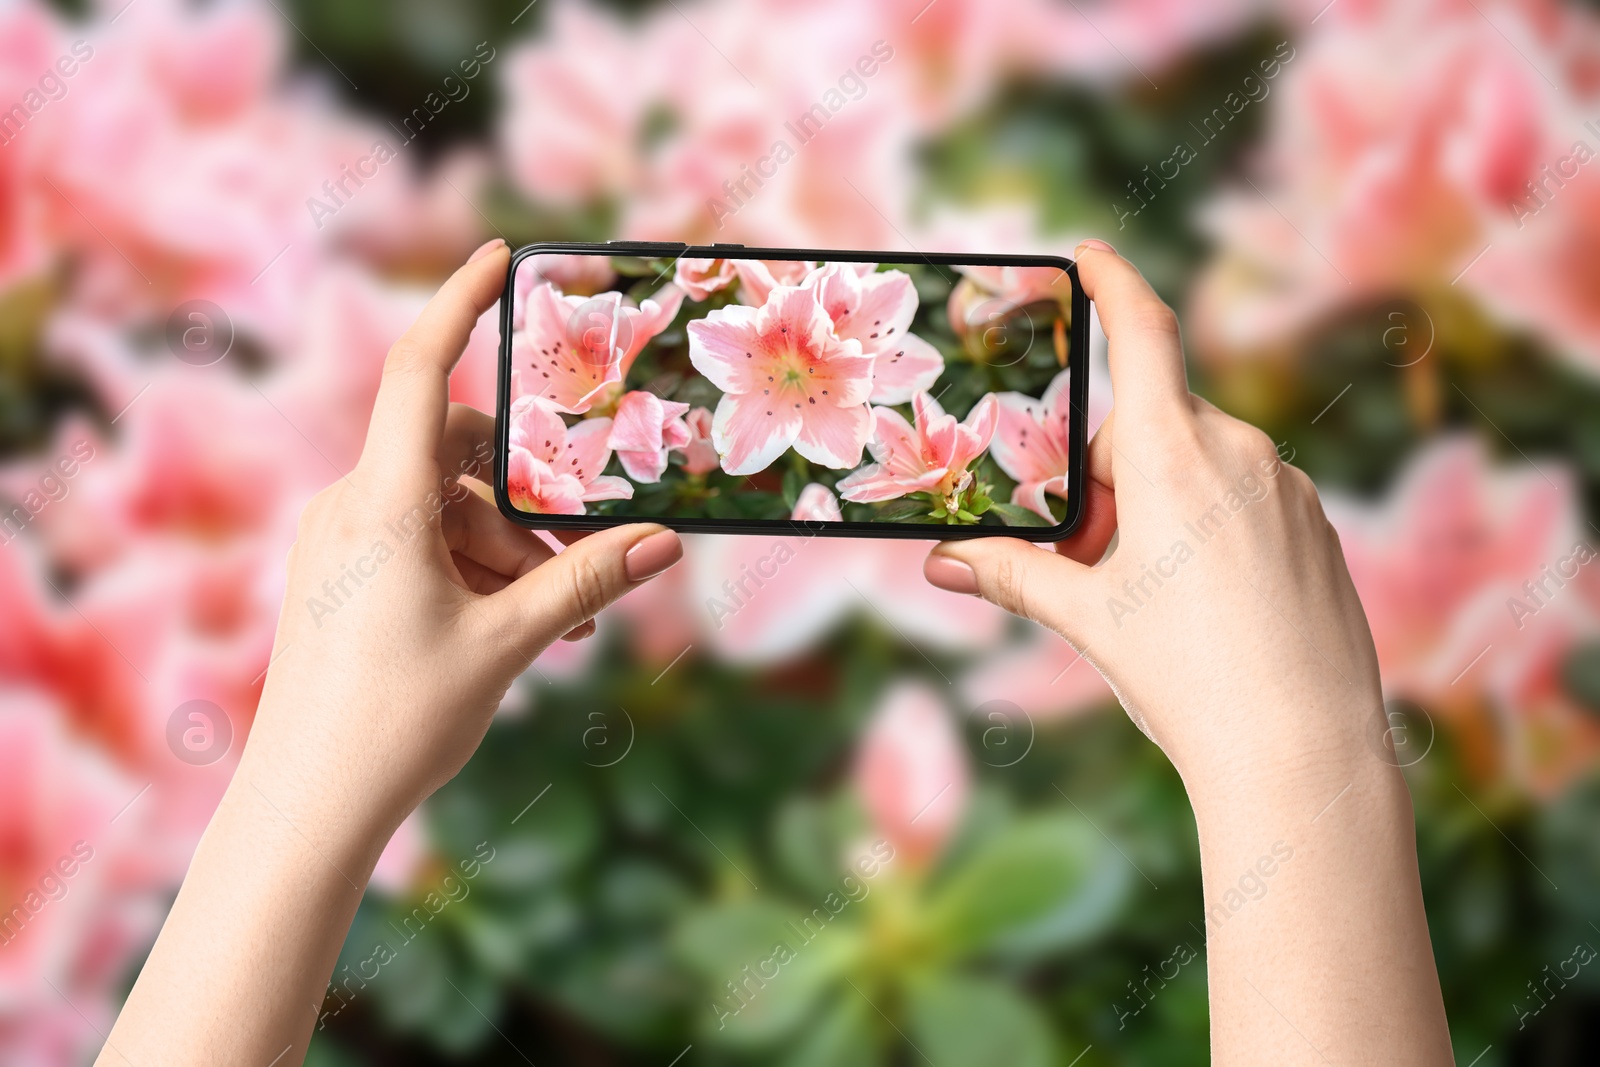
{"x": 1077, "y": 364}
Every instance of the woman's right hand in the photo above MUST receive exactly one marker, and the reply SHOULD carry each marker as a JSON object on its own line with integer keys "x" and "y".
{"x": 1225, "y": 618}
{"x": 1227, "y": 624}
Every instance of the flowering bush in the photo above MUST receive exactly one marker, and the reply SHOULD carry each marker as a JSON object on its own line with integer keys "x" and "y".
{"x": 215, "y": 219}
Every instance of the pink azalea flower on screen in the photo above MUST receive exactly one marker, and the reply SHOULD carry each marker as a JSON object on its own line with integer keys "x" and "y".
{"x": 700, "y": 454}
{"x": 1031, "y": 443}
{"x": 931, "y": 456}
{"x": 817, "y": 504}
{"x": 787, "y": 379}
{"x": 571, "y": 274}
{"x": 574, "y": 351}
{"x": 759, "y": 277}
{"x": 911, "y": 772}
{"x": 985, "y": 299}
{"x": 553, "y": 469}
{"x": 875, "y": 308}
{"x": 645, "y": 429}
{"x": 1021, "y": 286}
{"x": 701, "y": 277}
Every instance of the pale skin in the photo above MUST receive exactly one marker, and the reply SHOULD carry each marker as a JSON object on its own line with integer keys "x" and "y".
{"x": 1251, "y": 666}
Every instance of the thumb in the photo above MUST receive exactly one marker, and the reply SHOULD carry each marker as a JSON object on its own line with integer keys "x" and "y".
{"x": 567, "y": 591}
{"x": 1024, "y": 578}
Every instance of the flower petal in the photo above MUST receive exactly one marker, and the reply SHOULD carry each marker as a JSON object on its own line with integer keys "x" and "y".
{"x": 638, "y": 423}
{"x": 909, "y": 367}
{"x": 609, "y": 487}
{"x": 723, "y": 347}
{"x": 817, "y": 503}
{"x": 535, "y": 426}
{"x": 587, "y": 453}
{"x": 833, "y": 437}
{"x": 562, "y": 362}
{"x": 749, "y": 433}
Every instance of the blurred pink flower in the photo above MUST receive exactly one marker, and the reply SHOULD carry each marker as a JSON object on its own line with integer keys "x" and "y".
{"x": 577, "y": 103}
{"x": 1437, "y": 564}
{"x": 1402, "y": 139}
{"x": 29, "y": 44}
{"x": 787, "y": 381}
{"x": 644, "y": 430}
{"x": 764, "y": 600}
{"x": 817, "y": 504}
{"x": 553, "y": 469}
{"x": 701, "y": 277}
{"x": 1032, "y": 444}
{"x": 1042, "y": 675}
{"x": 700, "y": 454}
{"x": 69, "y": 917}
{"x": 574, "y": 351}
{"x": 930, "y": 457}
{"x": 875, "y": 308}
{"x": 403, "y": 857}
{"x": 911, "y": 772}
{"x": 1550, "y": 738}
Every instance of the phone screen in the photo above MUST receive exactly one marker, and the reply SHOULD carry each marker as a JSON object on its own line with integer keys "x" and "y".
{"x": 929, "y": 396}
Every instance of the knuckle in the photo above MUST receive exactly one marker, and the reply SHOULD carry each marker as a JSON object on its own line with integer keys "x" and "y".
{"x": 1010, "y": 587}
{"x": 588, "y": 587}
{"x": 1157, "y": 318}
{"x": 1252, "y": 443}
{"x": 405, "y": 357}
{"x": 1178, "y": 446}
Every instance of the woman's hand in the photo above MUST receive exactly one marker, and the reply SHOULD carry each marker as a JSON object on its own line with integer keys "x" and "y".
{"x": 1225, "y": 618}
{"x": 412, "y": 605}
{"x": 1226, "y": 622}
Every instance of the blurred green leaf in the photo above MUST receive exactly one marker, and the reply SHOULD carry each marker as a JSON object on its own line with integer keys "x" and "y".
{"x": 1032, "y": 869}
{"x": 736, "y": 948}
{"x": 844, "y": 1037}
{"x": 959, "y": 1021}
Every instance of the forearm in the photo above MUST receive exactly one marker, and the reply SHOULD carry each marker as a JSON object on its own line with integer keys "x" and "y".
{"x": 1317, "y": 942}
{"x": 239, "y": 970}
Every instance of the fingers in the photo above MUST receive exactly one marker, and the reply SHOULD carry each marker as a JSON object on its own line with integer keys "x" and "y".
{"x": 568, "y": 591}
{"x": 1021, "y": 577}
{"x": 1089, "y": 542}
{"x": 1145, "y": 346}
{"x": 408, "y": 418}
{"x": 475, "y": 529}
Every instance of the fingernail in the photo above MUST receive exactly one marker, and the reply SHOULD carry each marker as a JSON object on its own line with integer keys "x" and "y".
{"x": 651, "y": 556}
{"x": 1096, "y": 244}
{"x": 485, "y": 249}
{"x": 578, "y": 633}
{"x": 951, "y": 575}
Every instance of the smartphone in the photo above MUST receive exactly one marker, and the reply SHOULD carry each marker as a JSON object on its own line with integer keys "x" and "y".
{"x": 725, "y": 389}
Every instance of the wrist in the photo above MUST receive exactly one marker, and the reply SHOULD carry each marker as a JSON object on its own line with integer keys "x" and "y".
{"x": 1290, "y": 763}
{"x": 316, "y": 802}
